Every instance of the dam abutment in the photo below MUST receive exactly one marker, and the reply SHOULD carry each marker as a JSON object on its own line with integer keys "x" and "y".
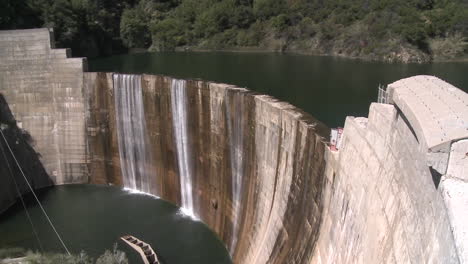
{"x": 256, "y": 170}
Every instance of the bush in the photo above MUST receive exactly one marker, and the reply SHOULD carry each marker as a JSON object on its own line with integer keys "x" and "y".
{"x": 134, "y": 30}
{"x": 114, "y": 257}
{"x": 264, "y": 9}
{"x": 168, "y": 34}
{"x": 11, "y": 253}
{"x": 109, "y": 257}
{"x": 280, "y": 23}
{"x": 36, "y": 258}
{"x": 308, "y": 28}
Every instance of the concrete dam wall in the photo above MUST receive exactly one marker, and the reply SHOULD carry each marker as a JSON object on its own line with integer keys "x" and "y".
{"x": 18, "y": 141}
{"x": 247, "y": 165}
{"x": 258, "y": 171}
{"x": 44, "y": 89}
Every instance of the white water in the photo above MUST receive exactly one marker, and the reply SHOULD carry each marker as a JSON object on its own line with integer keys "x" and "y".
{"x": 236, "y": 140}
{"x": 180, "y": 122}
{"x": 136, "y": 192}
{"x": 135, "y": 156}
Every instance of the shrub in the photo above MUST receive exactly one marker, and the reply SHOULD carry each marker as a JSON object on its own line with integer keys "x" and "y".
{"x": 109, "y": 257}
{"x": 134, "y": 30}
{"x": 11, "y": 252}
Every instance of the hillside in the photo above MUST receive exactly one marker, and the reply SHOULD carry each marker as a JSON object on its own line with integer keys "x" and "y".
{"x": 389, "y": 30}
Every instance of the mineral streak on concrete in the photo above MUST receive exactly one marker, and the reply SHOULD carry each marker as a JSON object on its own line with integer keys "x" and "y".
{"x": 44, "y": 89}
{"x": 282, "y": 156}
{"x": 235, "y": 124}
{"x": 395, "y": 192}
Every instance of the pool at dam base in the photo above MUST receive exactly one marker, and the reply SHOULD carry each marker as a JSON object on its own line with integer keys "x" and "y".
{"x": 92, "y": 218}
{"x": 328, "y": 88}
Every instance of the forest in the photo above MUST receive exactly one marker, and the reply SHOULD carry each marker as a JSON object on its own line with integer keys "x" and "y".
{"x": 390, "y": 30}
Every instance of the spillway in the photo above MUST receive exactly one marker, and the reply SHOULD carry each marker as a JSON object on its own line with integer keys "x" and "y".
{"x": 235, "y": 126}
{"x": 135, "y": 156}
{"x": 184, "y": 157}
{"x": 258, "y": 171}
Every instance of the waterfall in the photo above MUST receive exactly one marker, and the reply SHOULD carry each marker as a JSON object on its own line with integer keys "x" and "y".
{"x": 179, "y": 116}
{"x": 135, "y": 155}
{"x": 235, "y": 134}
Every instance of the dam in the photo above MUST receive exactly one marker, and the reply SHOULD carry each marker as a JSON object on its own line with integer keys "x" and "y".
{"x": 256, "y": 170}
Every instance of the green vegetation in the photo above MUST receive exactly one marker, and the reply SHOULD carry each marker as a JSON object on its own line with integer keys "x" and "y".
{"x": 11, "y": 253}
{"x": 404, "y": 30}
{"x": 109, "y": 257}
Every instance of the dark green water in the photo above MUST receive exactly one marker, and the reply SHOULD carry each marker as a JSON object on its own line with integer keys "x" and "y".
{"x": 92, "y": 218}
{"x": 328, "y": 88}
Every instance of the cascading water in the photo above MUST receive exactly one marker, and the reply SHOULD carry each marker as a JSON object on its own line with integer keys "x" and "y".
{"x": 236, "y": 140}
{"x": 179, "y": 116}
{"x": 135, "y": 156}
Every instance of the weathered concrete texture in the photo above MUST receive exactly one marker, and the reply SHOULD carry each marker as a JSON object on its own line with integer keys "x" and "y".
{"x": 278, "y": 212}
{"x": 381, "y": 205}
{"x": 45, "y": 91}
{"x": 454, "y": 191}
{"x": 12, "y": 181}
{"x": 101, "y": 129}
{"x": 259, "y": 178}
{"x": 437, "y": 110}
{"x": 437, "y": 113}
{"x": 458, "y": 162}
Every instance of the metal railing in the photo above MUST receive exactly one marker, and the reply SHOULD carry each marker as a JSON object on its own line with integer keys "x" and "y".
{"x": 382, "y": 97}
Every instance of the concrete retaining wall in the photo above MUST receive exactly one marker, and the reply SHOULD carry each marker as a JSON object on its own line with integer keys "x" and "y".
{"x": 381, "y": 204}
{"x": 12, "y": 181}
{"x": 44, "y": 90}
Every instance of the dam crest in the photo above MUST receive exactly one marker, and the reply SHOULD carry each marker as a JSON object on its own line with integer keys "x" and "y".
{"x": 256, "y": 170}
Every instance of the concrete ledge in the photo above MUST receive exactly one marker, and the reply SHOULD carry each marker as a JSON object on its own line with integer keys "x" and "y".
{"x": 455, "y": 194}
{"x": 436, "y": 110}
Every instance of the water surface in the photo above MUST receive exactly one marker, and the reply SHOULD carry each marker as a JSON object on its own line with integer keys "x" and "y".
{"x": 328, "y": 88}
{"x": 92, "y": 218}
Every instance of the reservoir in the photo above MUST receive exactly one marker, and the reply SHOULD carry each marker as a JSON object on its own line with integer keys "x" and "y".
{"x": 92, "y": 218}
{"x": 328, "y": 88}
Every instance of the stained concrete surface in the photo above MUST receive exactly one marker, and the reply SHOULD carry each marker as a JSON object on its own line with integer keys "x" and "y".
{"x": 282, "y": 172}
{"x": 20, "y": 142}
{"x": 44, "y": 89}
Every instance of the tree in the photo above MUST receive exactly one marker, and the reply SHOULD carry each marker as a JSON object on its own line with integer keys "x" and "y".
{"x": 134, "y": 29}
{"x": 168, "y": 34}
{"x": 265, "y": 9}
